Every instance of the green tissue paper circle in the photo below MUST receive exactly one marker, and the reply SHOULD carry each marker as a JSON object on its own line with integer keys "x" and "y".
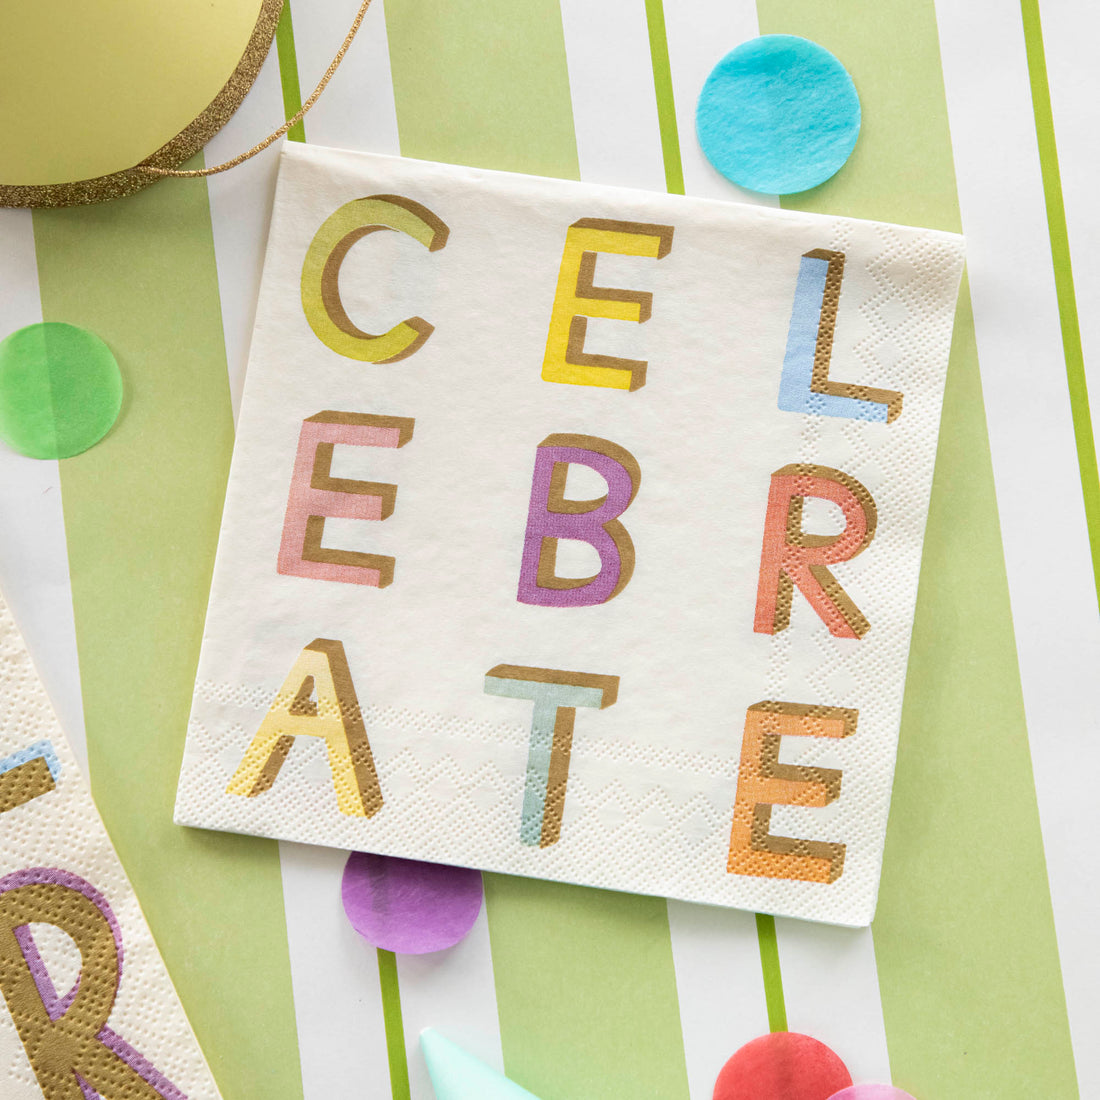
{"x": 60, "y": 390}
{"x": 779, "y": 114}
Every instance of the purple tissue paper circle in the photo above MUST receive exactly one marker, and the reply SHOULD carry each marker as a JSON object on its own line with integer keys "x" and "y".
{"x": 409, "y": 907}
{"x": 871, "y": 1092}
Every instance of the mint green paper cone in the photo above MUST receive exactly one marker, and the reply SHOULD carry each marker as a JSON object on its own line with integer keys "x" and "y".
{"x": 457, "y": 1075}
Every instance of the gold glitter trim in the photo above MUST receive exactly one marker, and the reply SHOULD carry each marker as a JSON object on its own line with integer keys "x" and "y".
{"x": 185, "y": 144}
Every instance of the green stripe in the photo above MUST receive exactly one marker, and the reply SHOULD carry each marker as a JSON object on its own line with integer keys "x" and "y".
{"x": 141, "y": 519}
{"x": 288, "y": 73}
{"x": 666, "y": 106}
{"x": 964, "y": 938}
{"x": 585, "y": 985}
{"x": 586, "y": 991}
{"x": 395, "y": 1026}
{"x": 483, "y": 82}
{"x": 1063, "y": 279}
{"x": 773, "y": 976}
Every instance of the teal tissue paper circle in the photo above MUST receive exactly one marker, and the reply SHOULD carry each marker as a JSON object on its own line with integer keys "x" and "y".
{"x": 778, "y": 114}
{"x": 60, "y": 390}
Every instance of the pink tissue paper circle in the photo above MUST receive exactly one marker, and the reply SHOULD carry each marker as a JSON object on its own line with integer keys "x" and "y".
{"x": 409, "y": 907}
{"x": 871, "y": 1092}
{"x": 782, "y": 1065}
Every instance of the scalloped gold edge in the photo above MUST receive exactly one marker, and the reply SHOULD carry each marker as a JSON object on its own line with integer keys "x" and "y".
{"x": 185, "y": 144}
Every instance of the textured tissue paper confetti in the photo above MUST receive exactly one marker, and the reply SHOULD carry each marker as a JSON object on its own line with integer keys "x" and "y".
{"x": 60, "y": 390}
{"x": 87, "y": 1008}
{"x": 574, "y": 532}
{"x": 408, "y": 906}
{"x": 778, "y": 114}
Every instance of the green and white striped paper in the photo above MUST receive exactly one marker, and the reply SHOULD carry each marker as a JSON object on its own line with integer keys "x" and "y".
{"x": 980, "y": 976}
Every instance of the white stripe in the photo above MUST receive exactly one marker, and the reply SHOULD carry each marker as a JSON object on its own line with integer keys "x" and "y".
{"x": 1035, "y": 469}
{"x": 452, "y": 991}
{"x": 614, "y": 103}
{"x": 357, "y": 109}
{"x": 720, "y": 986}
{"x": 337, "y": 998}
{"x": 19, "y": 301}
{"x": 34, "y": 557}
{"x": 240, "y": 209}
{"x": 830, "y": 983}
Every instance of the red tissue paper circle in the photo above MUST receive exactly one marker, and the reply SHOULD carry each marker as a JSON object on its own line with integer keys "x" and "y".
{"x": 409, "y": 907}
{"x": 871, "y": 1092}
{"x": 783, "y": 1065}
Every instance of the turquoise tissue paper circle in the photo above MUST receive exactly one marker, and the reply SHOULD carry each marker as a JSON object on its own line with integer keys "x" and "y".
{"x": 778, "y": 114}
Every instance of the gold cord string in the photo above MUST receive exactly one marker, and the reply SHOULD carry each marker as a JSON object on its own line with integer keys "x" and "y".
{"x": 271, "y": 138}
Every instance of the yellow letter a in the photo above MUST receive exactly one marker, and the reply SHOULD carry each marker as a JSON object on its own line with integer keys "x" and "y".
{"x": 322, "y": 669}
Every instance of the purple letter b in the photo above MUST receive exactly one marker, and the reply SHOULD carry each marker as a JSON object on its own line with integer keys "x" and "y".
{"x": 551, "y": 517}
